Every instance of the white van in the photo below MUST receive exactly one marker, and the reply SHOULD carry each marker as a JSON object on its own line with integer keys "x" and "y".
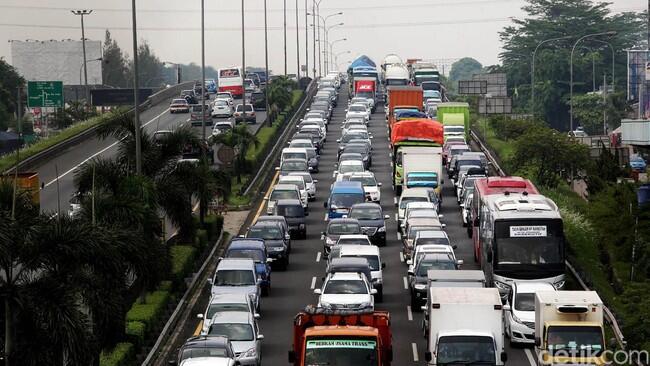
{"x": 371, "y": 253}
{"x": 293, "y": 153}
{"x": 299, "y": 181}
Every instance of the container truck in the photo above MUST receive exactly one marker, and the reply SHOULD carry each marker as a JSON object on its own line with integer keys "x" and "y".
{"x": 569, "y": 328}
{"x": 402, "y": 97}
{"x": 454, "y": 118}
{"x": 26, "y": 182}
{"x": 422, "y": 167}
{"x": 341, "y": 337}
{"x": 465, "y": 327}
{"x": 411, "y": 133}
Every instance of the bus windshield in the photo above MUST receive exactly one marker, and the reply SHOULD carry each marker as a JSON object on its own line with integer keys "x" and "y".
{"x": 529, "y": 242}
{"x": 338, "y": 351}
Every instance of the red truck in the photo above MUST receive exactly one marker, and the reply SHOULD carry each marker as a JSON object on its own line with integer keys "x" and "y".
{"x": 402, "y": 97}
{"x": 341, "y": 337}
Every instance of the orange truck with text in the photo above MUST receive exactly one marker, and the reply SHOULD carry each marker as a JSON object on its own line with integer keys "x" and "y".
{"x": 402, "y": 97}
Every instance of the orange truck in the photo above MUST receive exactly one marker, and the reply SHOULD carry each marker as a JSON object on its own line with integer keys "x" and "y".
{"x": 341, "y": 337}
{"x": 402, "y": 97}
{"x": 28, "y": 182}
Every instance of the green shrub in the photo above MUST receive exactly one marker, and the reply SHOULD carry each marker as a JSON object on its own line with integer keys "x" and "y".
{"x": 201, "y": 239}
{"x": 165, "y": 286}
{"x": 219, "y": 225}
{"x": 210, "y": 226}
{"x": 144, "y": 313}
{"x": 135, "y": 332}
{"x": 265, "y": 136}
{"x": 182, "y": 259}
{"x": 121, "y": 355}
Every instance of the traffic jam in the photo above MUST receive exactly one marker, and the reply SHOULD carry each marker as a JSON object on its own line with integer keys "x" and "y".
{"x": 384, "y": 239}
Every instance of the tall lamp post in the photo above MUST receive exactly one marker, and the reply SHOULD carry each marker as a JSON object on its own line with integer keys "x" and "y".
{"x": 331, "y": 55}
{"x": 532, "y": 70}
{"x": 306, "y": 41}
{"x": 297, "y": 46}
{"x": 266, "y": 66}
{"x": 81, "y": 13}
{"x": 610, "y": 33}
{"x": 284, "y": 10}
{"x": 83, "y": 66}
{"x": 325, "y": 30}
{"x": 613, "y": 58}
{"x": 203, "y": 133}
{"x": 243, "y": 64}
{"x": 178, "y": 70}
{"x": 136, "y": 93}
{"x": 336, "y": 58}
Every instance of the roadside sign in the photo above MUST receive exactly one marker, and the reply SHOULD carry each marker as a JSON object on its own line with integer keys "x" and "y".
{"x": 44, "y": 94}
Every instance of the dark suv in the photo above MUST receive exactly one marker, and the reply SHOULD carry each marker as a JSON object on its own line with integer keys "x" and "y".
{"x": 372, "y": 221}
{"x": 275, "y": 239}
{"x": 258, "y": 100}
{"x": 295, "y": 215}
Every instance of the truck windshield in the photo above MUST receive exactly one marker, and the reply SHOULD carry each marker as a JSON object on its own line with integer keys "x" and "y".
{"x": 575, "y": 339}
{"x": 465, "y": 350}
{"x": 358, "y": 352}
{"x": 346, "y": 199}
{"x": 235, "y": 278}
{"x": 365, "y": 94}
{"x": 537, "y": 242}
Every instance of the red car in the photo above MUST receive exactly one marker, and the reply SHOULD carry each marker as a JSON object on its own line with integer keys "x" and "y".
{"x": 179, "y": 105}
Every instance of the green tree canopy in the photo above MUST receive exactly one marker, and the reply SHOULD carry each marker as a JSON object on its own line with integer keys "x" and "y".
{"x": 115, "y": 66}
{"x": 463, "y": 69}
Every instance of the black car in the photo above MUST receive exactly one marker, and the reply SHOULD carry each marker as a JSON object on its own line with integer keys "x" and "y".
{"x": 276, "y": 219}
{"x": 205, "y": 346}
{"x": 336, "y": 228}
{"x": 295, "y": 215}
{"x": 350, "y": 264}
{"x": 315, "y": 140}
{"x": 372, "y": 221}
{"x": 258, "y": 100}
{"x": 361, "y": 149}
{"x": 276, "y": 241}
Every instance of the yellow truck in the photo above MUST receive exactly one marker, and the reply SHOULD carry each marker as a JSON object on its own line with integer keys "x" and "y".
{"x": 569, "y": 328}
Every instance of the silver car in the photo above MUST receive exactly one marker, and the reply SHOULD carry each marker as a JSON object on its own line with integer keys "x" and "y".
{"x": 242, "y": 330}
{"x": 226, "y": 303}
{"x": 236, "y": 275}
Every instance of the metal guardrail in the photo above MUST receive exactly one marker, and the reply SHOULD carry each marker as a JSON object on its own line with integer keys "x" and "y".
{"x": 56, "y": 149}
{"x": 197, "y": 280}
{"x": 609, "y": 316}
{"x": 288, "y": 128}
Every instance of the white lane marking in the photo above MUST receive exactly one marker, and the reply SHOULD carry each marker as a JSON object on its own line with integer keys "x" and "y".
{"x": 399, "y": 236}
{"x": 395, "y": 200}
{"x": 313, "y": 283}
{"x": 97, "y": 153}
{"x": 396, "y": 216}
{"x": 409, "y": 313}
{"x": 401, "y": 257}
{"x": 529, "y": 355}
{"x": 416, "y": 358}
{"x": 318, "y": 257}
{"x": 406, "y": 285}
{"x": 325, "y": 219}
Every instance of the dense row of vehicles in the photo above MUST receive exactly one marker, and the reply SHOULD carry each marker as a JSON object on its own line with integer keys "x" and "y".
{"x": 516, "y": 232}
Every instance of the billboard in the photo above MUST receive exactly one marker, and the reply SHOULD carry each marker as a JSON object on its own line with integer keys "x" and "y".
{"x": 497, "y": 83}
{"x": 495, "y": 105}
{"x": 57, "y": 60}
{"x": 472, "y": 87}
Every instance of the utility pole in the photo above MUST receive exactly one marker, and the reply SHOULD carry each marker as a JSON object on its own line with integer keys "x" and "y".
{"x": 136, "y": 94}
{"x": 266, "y": 66}
{"x": 203, "y": 76}
{"x": 313, "y": 17}
{"x": 81, "y": 13}
{"x": 243, "y": 63}
{"x": 307, "y": 42}
{"x": 297, "y": 46}
{"x": 285, "y": 36}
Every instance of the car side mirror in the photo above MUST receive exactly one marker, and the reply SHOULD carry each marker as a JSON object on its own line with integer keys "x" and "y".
{"x": 270, "y": 260}
{"x": 338, "y": 140}
{"x": 317, "y": 291}
{"x": 277, "y": 168}
{"x": 199, "y": 316}
{"x": 454, "y": 247}
{"x": 409, "y": 262}
{"x": 506, "y": 307}
{"x": 287, "y": 236}
{"x": 315, "y": 180}
{"x": 504, "y": 357}
{"x": 210, "y": 281}
{"x": 306, "y": 213}
{"x": 292, "y": 356}
{"x": 427, "y": 356}
{"x": 311, "y": 168}
{"x": 383, "y": 265}
{"x": 260, "y": 337}
{"x": 256, "y": 316}
{"x": 325, "y": 204}
{"x": 443, "y": 225}
{"x": 460, "y": 262}
{"x": 462, "y": 205}
{"x": 266, "y": 198}
{"x": 441, "y": 216}
{"x": 379, "y": 184}
{"x": 386, "y": 217}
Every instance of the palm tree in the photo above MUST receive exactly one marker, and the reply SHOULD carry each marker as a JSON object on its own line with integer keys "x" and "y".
{"x": 240, "y": 139}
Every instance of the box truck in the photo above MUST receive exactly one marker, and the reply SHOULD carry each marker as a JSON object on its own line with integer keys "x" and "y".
{"x": 455, "y": 118}
{"x": 569, "y": 328}
{"x": 422, "y": 167}
{"x": 465, "y": 324}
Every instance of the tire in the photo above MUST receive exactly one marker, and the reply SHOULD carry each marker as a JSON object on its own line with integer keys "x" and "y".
{"x": 266, "y": 290}
{"x": 380, "y": 295}
{"x": 415, "y": 303}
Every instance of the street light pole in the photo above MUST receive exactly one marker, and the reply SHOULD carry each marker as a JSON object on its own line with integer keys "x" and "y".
{"x": 82, "y": 13}
{"x": 136, "y": 94}
{"x": 306, "y": 42}
{"x": 532, "y": 71}
{"x": 297, "y": 46}
{"x": 331, "y": 55}
{"x": 336, "y": 58}
{"x": 313, "y": 16}
{"x": 266, "y": 65}
{"x": 610, "y": 33}
{"x": 203, "y": 134}
{"x": 613, "y": 59}
{"x": 178, "y": 70}
{"x": 285, "y": 36}
{"x": 84, "y": 65}
{"x": 243, "y": 64}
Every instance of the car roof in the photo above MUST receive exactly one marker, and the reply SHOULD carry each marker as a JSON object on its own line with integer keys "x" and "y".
{"x": 265, "y": 223}
{"x": 288, "y": 202}
{"x": 345, "y": 185}
{"x": 359, "y": 250}
{"x": 294, "y": 149}
{"x": 238, "y": 297}
{"x": 432, "y": 234}
{"x": 293, "y": 160}
{"x": 353, "y": 236}
{"x": 268, "y": 218}
{"x": 434, "y": 248}
{"x": 284, "y": 187}
{"x": 342, "y": 221}
{"x": 348, "y": 261}
{"x": 366, "y": 205}
{"x": 291, "y": 178}
{"x": 423, "y": 221}
{"x": 351, "y": 162}
{"x": 207, "y": 341}
{"x": 236, "y": 263}
{"x": 232, "y": 317}
{"x": 413, "y": 192}
{"x": 345, "y": 276}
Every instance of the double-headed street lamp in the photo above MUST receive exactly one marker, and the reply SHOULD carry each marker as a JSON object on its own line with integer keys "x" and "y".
{"x": 336, "y": 58}
{"x": 327, "y": 38}
{"x": 532, "y": 70}
{"x": 82, "y": 13}
{"x": 325, "y": 31}
{"x": 610, "y": 33}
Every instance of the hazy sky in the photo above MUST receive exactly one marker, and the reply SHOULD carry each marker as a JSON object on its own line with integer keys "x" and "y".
{"x": 430, "y": 29}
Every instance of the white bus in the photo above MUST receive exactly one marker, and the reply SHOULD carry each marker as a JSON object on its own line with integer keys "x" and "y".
{"x": 231, "y": 80}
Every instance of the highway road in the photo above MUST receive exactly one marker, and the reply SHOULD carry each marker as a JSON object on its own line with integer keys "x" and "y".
{"x": 293, "y": 289}
{"x": 155, "y": 118}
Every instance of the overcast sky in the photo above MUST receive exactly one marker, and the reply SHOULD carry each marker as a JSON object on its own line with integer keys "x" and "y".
{"x": 431, "y": 29}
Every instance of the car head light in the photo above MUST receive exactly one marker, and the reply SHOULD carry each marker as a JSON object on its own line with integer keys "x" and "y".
{"x": 329, "y": 241}
{"x": 381, "y": 229}
{"x": 364, "y": 305}
{"x": 559, "y": 284}
{"x": 252, "y": 352}
{"x": 420, "y": 286}
{"x": 502, "y": 286}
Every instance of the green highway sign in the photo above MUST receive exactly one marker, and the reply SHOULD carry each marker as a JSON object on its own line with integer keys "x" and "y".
{"x": 44, "y": 94}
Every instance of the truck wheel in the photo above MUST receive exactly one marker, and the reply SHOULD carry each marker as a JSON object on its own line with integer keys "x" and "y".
{"x": 398, "y": 190}
{"x": 469, "y": 231}
{"x": 414, "y": 303}
{"x": 380, "y": 295}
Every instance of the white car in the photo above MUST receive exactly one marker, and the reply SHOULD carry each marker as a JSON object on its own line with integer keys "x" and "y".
{"x": 409, "y": 195}
{"x": 345, "y": 290}
{"x": 466, "y": 209}
{"x": 223, "y": 303}
{"x": 519, "y": 312}
{"x": 358, "y": 110}
{"x": 221, "y": 108}
{"x": 364, "y": 101}
{"x": 370, "y": 185}
{"x": 348, "y": 166}
{"x": 221, "y": 127}
{"x": 281, "y": 191}
{"x": 299, "y": 181}
{"x": 353, "y": 239}
{"x": 227, "y": 96}
{"x": 310, "y": 183}
{"x": 372, "y": 254}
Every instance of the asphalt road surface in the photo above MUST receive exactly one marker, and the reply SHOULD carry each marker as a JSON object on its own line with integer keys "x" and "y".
{"x": 155, "y": 118}
{"x": 293, "y": 289}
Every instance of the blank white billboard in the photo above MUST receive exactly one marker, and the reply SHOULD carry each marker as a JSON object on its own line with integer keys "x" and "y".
{"x": 57, "y": 60}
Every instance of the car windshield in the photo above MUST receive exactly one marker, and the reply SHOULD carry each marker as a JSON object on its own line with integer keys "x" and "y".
{"x": 525, "y": 301}
{"x": 249, "y": 108}
{"x": 291, "y": 211}
{"x": 301, "y": 144}
{"x": 293, "y": 155}
{"x": 413, "y": 230}
{"x": 223, "y": 307}
{"x": 234, "y": 332}
{"x": 343, "y": 228}
{"x": 358, "y": 108}
{"x": 265, "y": 232}
{"x": 294, "y": 166}
{"x": 352, "y": 136}
{"x": 346, "y": 199}
{"x": 352, "y": 241}
{"x": 443, "y": 263}
{"x": 366, "y": 213}
{"x": 345, "y": 287}
{"x": 425, "y": 241}
{"x": 351, "y": 168}
{"x": 373, "y": 260}
{"x": 368, "y": 181}
{"x": 198, "y": 108}
{"x": 220, "y": 102}
{"x": 235, "y": 277}
{"x": 202, "y": 352}
{"x": 574, "y": 338}
{"x": 223, "y": 95}
{"x": 223, "y": 127}
{"x": 283, "y": 194}
{"x": 179, "y": 101}
{"x": 406, "y": 200}
{"x": 422, "y": 213}
{"x": 256, "y": 255}
{"x": 454, "y": 129}
{"x": 423, "y": 178}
